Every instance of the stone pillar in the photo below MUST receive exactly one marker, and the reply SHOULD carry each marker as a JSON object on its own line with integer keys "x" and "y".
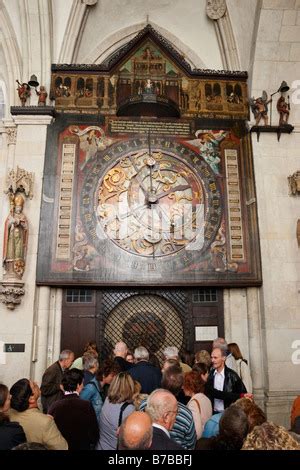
{"x": 40, "y": 338}
{"x": 48, "y": 324}
{"x": 255, "y": 344}
{"x": 106, "y": 89}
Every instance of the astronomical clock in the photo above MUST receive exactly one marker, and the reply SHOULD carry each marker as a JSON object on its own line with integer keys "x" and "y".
{"x": 148, "y": 174}
{"x": 148, "y": 210}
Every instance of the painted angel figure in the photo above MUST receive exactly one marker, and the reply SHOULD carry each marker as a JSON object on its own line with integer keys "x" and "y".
{"x": 208, "y": 143}
{"x": 259, "y": 107}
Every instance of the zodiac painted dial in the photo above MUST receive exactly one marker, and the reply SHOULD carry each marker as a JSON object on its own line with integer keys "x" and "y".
{"x": 153, "y": 203}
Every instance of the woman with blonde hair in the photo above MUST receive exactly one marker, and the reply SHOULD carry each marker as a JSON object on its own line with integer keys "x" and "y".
{"x": 117, "y": 406}
{"x": 242, "y": 366}
{"x": 203, "y": 356}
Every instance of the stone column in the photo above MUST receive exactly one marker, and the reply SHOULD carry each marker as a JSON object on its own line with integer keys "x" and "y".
{"x": 106, "y": 89}
{"x": 40, "y": 338}
{"x": 255, "y": 344}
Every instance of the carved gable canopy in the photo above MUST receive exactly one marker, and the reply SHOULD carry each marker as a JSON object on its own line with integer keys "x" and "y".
{"x": 149, "y": 65}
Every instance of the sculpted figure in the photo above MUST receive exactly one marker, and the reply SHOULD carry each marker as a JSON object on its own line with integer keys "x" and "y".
{"x": 23, "y": 92}
{"x": 283, "y": 108}
{"x": 15, "y": 239}
{"x": 259, "y": 107}
{"x": 42, "y": 94}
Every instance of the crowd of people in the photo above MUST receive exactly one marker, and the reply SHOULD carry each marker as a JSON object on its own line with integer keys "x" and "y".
{"x": 132, "y": 402}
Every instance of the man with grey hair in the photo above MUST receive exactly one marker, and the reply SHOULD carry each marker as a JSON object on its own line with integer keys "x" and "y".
{"x": 230, "y": 360}
{"x": 91, "y": 387}
{"x": 223, "y": 385}
{"x": 145, "y": 373}
{"x": 172, "y": 352}
{"x": 51, "y": 389}
{"x": 120, "y": 352}
{"x": 135, "y": 432}
{"x": 162, "y": 407}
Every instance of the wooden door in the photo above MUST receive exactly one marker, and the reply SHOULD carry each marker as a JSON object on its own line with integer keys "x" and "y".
{"x": 189, "y": 319}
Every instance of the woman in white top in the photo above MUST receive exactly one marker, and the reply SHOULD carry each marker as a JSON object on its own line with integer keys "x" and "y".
{"x": 242, "y": 366}
{"x": 199, "y": 404}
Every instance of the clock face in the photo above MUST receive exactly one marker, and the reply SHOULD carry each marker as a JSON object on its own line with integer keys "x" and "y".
{"x": 151, "y": 204}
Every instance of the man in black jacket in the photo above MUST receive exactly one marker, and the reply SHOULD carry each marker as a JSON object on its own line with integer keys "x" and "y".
{"x": 223, "y": 386}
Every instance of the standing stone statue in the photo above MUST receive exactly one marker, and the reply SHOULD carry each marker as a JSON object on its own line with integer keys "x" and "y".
{"x": 15, "y": 239}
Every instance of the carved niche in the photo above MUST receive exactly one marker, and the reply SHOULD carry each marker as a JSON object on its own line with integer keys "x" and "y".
{"x": 19, "y": 186}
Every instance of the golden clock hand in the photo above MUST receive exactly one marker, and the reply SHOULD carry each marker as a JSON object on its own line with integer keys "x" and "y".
{"x": 137, "y": 176}
{"x": 132, "y": 211}
{"x": 180, "y": 187}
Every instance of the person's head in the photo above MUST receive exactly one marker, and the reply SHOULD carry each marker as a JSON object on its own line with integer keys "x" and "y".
{"x": 153, "y": 359}
{"x": 270, "y": 436}
{"x": 218, "y": 358}
{"x": 219, "y": 343}
{"x": 30, "y": 446}
{"x": 121, "y": 388}
{"x": 203, "y": 356}
{"x": 201, "y": 369}
{"x": 135, "y": 433}
{"x": 254, "y": 413}
{"x": 24, "y": 395}
{"x": 296, "y": 425}
{"x": 107, "y": 371}
{"x": 233, "y": 428}
{"x": 171, "y": 352}
{"x": 169, "y": 363}
{"x": 129, "y": 357}
{"x": 187, "y": 357}
{"x": 172, "y": 379}
{"x": 193, "y": 383}
{"x": 235, "y": 351}
{"x": 90, "y": 346}
{"x": 162, "y": 407}
{"x": 4, "y": 403}
{"x": 141, "y": 354}
{"x": 4, "y": 398}
{"x": 66, "y": 358}
{"x": 72, "y": 380}
{"x": 90, "y": 362}
{"x": 120, "y": 349}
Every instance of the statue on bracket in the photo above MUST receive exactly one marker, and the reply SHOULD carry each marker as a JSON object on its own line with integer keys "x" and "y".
{"x": 15, "y": 239}
{"x": 259, "y": 107}
{"x": 19, "y": 185}
{"x": 294, "y": 183}
{"x": 283, "y": 108}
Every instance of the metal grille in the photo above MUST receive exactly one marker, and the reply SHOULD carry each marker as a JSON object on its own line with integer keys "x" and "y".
{"x": 205, "y": 295}
{"x": 151, "y": 319}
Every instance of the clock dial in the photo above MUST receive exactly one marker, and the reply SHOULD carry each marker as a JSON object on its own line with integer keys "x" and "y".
{"x": 151, "y": 204}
